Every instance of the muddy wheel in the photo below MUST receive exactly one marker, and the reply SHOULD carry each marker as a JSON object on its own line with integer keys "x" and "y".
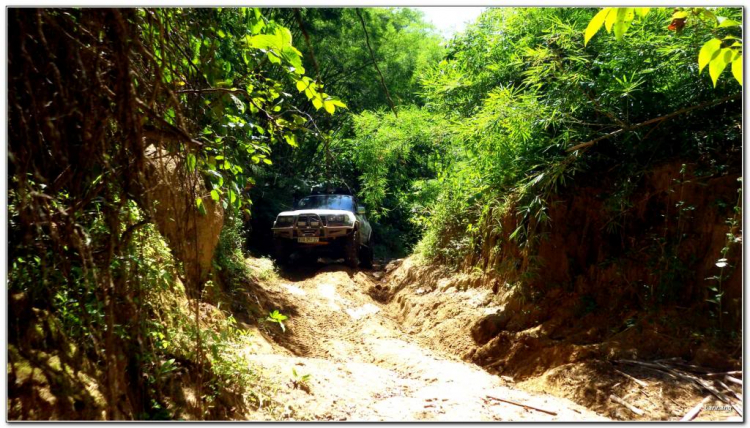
{"x": 281, "y": 251}
{"x": 351, "y": 250}
{"x": 365, "y": 257}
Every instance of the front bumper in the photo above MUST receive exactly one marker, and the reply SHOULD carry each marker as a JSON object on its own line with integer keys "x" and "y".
{"x": 312, "y": 227}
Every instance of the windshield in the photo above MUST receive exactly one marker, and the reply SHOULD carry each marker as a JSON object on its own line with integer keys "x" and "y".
{"x": 329, "y": 202}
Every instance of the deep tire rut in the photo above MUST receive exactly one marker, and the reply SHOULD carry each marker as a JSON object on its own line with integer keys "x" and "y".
{"x": 363, "y": 367}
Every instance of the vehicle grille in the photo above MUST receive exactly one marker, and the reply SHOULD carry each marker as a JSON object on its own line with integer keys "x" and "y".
{"x": 309, "y": 224}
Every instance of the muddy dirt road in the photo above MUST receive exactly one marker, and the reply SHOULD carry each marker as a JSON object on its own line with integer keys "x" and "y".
{"x": 343, "y": 357}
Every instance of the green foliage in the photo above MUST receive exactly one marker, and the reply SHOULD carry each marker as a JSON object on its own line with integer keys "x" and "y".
{"x": 238, "y": 85}
{"x": 724, "y": 49}
{"x": 229, "y": 260}
{"x": 335, "y": 52}
{"x": 215, "y": 90}
{"x": 398, "y": 160}
{"x": 516, "y": 91}
{"x": 278, "y": 318}
{"x": 733, "y": 237}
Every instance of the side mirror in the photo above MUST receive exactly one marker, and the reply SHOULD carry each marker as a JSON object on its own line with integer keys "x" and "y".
{"x": 361, "y": 209}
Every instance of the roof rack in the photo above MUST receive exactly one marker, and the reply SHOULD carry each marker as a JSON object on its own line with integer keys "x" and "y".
{"x": 321, "y": 190}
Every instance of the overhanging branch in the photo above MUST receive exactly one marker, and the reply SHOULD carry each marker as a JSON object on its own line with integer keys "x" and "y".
{"x": 654, "y": 120}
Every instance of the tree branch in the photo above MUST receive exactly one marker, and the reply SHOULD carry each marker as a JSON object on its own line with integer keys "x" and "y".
{"x": 375, "y": 63}
{"x": 298, "y": 16}
{"x": 655, "y": 120}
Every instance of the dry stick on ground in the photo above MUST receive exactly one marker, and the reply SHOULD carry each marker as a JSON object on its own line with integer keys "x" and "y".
{"x": 709, "y": 388}
{"x": 640, "y": 383}
{"x": 375, "y": 63}
{"x": 550, "y": 412}
{"x": 695, "y": 410}
{"x": 655, "y": 120}
{"x": 733, "y": 380}
{"x": 730, "y": 390}
{"x": 720, "y": 374}
{"x": 630, "y": 407}
{"x": 643, "y": 385}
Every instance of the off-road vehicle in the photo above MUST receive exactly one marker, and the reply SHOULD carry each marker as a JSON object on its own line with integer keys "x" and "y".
{"x": 332, "y": 224}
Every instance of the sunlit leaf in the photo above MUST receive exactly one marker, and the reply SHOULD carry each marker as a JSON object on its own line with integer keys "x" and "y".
{"x": 625, "y": 17}
{"x": 718, "y": 64}
{"x": 595, "y": 24}
{"x": 642, "y": 11}
{"x": 737, "y": 69}
{"x": 611, "y": 19}
{"x": 708, "y": 52}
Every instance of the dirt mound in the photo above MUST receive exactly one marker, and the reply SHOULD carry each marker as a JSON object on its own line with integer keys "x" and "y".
{"x": 170, "y": 198}
{"x": 534, "y": 344}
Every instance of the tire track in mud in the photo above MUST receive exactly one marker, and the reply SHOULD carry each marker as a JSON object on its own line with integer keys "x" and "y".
{"x": 363, "y": 367}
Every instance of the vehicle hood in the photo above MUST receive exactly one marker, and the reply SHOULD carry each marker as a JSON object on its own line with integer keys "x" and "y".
{"x": 318, "y": 212}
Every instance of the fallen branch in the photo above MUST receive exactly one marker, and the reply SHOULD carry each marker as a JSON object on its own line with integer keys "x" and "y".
{"x": 660, "y": 367}
{"x": 523, "y": 405}
{"x": 630, "y": 407}
{"x": 695, "y": 410}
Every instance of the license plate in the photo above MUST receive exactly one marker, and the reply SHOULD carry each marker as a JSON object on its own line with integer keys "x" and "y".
{"x": 308, "y": 239}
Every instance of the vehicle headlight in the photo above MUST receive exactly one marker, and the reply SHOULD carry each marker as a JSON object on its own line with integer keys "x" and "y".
{"x": 338, "y": 219}
{"x": 284, "y": 221}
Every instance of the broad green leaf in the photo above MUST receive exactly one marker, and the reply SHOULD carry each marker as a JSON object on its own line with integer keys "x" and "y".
{"x": 729, "y": 23}
{"x": 221, "y": 33}
{"x": 625, "y": 17}
{"x": 330, "y": 108}
{"x": 679, "y": 15}
{"x": 337, "y": 103}
{"x": 215, "y": 195}
{"x": 291, "y": 139}
{"x": 302, "y": 85}
{"x": 293, "y": 56}
{"x": 737, "y": 69}
{"x": 611, "y": 18}
{"x": 642, "y": 11}
{"x": 285, "y": 36}
{"x": 317, "y": 102}
{"x": 708, "y": 52}
{"x": 267, "y": 161}
{"x": 595, "y": 24}
{"x": 264, "y": 41}
{"x": 718, "y": 64}
{"x": 274, "y": 58}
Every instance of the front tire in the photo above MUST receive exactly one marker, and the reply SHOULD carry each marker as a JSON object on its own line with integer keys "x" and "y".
{"x": 281, "y": 251}
{"x": 351, "y": 250}
{"x": 365, "y": 258}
